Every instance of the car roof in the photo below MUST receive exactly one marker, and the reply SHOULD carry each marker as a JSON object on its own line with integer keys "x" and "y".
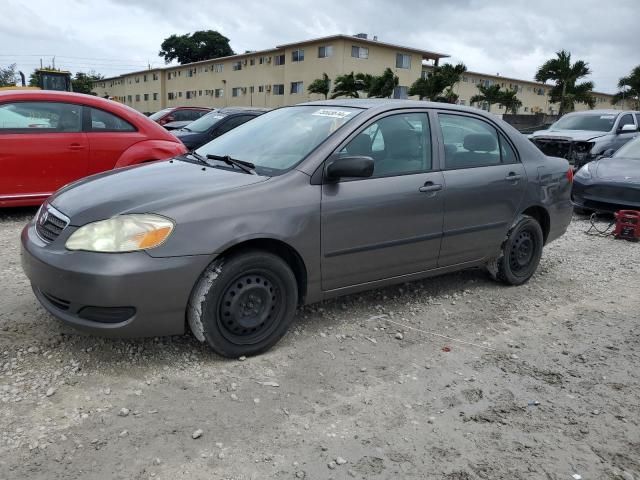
{"x": 186, "y": 108}
{"x": 387, "y": 104}
{"x": 603, "y": 111}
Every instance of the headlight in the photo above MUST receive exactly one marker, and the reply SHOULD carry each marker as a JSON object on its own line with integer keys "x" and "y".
{"x": 584, "y": 172}
{"x": 124, "y": 233}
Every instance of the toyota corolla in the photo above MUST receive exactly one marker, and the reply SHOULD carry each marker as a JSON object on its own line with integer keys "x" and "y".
{"x": 303, "y": 203}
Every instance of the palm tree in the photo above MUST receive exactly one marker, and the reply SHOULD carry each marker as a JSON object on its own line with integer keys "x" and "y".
{"x": 510, "y": 101}
{"x": 489, "y": 94}
{"x": 435, "y": 82}
{"x": 629, "y": 88}
{"x": 566, "y": 91}
{"x": 321, "y": 86}
{"x": 347, "y": 85}
{"x": 384, "y": 85}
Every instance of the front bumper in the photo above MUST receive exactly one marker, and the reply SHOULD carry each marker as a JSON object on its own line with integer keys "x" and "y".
{"x": 117, "y": 295}
{"x": 605, "y": 196}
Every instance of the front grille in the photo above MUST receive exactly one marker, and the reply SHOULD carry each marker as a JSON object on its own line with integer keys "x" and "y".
{"x": 56, "y": 301}
{"x": 50, "y": 223}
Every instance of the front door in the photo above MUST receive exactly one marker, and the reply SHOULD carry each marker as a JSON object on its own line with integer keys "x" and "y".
{"x": 43, "y": 148}
{"x": 485, "y": 183}
{"x": 390, "y": 224}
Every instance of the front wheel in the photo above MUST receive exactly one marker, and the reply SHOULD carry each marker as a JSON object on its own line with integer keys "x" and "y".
{"x": 520, "y": 253}
{"x": 243, "y": 304}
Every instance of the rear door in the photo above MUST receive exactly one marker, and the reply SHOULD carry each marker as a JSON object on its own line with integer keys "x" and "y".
{"x": 389, "y": 224}
{"x": 485, "y": 183}
{"x": 42, "y": 148}
{"x": 109, "y": 136}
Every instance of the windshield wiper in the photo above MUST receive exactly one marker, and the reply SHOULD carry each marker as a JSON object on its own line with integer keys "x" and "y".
{"x": 197, "y": 156}
{"x": 246, "y": 167}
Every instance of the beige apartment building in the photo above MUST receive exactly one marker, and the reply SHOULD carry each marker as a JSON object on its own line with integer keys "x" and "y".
{"x": 533, "y": 95}
{"x": 280, "y": 76}
{"x": 266, "y": 78}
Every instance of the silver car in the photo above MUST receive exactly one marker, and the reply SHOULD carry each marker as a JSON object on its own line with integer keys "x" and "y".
{"x": 302, "y": 204}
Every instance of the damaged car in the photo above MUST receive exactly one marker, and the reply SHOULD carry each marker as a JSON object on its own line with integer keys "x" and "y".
{"x": 581, "y": 137}
{"x": 298, "y": 205}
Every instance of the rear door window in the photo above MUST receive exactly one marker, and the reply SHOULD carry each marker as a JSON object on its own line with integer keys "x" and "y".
{"x": 102, "y": 121}
{"x": 34, "y": 117}
{"x": 232, "y": 123}
{"x": 626, "y": 119}
{"x": 470, "y": 142}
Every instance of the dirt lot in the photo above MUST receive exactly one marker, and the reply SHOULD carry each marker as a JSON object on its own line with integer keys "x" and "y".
{"x": 550, "y": 390}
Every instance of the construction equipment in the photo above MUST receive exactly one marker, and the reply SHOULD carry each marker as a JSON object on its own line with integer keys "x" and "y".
{"x": 48, "y": 79}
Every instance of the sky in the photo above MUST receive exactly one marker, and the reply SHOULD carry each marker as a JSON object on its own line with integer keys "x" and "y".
{"x": 511, "y": 38}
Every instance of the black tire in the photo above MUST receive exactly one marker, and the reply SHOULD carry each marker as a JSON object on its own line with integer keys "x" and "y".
{"x": 243, "y": 304}
{"x": 520, "y": 253}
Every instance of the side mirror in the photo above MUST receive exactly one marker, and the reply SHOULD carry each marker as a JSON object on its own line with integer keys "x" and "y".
{"x": 628, "y": 128}
{"x": 344, "y": 167}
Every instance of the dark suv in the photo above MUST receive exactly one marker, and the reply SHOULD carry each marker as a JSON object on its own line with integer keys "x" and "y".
{"x": 581, "y": 137}
{"x": 215, "y": 124}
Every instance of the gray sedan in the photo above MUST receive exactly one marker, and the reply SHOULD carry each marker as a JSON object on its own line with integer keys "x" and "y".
{"x": 302, "y": 204}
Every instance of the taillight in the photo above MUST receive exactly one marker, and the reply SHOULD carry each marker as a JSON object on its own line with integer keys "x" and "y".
{"x": 570, "y": 175}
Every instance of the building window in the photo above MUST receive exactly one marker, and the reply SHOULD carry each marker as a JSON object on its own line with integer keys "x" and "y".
{"x": 278, "y": 89}
{"x": 218, "y": 93}
{"x": 324, "y": 52}
{"x": 252, "y": 61}
{"x": 264, "y": 60}
{"x": 199, "y": 93}
{"x": 144, "y": 78}
{"x": 236, "y": 91}
{"x": 359, "y": 52}
{"x": 155, "y": 76}
{"x": 297, "y": 87}
{"x": 137, "y": 79}
{"x": 279, "y": 59}
{"x": 217, "y": 67}
{"x": 403, "y": 61}
{"x": 155, "y": 96}
{"x": 129, "y": 98}
{"x": 146, "y": 97}
{"x": 260, "y": 88}
{"x": 465, "y": 79}
{"x": 401, "y": 92}
{"x": 171, "y": 95}
{"x": 237, "y": 65}
{"x": 138, "y": 98}
{"x": 526, "y": 109}
{"x": 297, "y": 55}
{"x": 180, "y": 94}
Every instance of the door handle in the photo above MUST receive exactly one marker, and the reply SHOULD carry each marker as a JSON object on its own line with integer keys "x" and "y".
{"x": 430, "y": 187}
{"x": 76, "y": 146}
{"x": 513, "y": 176}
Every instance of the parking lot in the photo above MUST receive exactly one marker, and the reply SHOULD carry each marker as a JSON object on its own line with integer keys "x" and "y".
{"x": 378, "y": 385}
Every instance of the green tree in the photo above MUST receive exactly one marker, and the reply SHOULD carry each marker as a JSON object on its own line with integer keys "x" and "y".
{"x": 196, "y": 46}
{"x": 321, "y": 86}
{"x": 8, "y": 75}
{"x": 489, "y": 94}
{"x": 384, "y": 85}
{"x": 83, "y": 82}
{"x": 365, "y": 81}
{"x": 437, "y": 81}
{"x": 510, "y": 101}
{"x": 566, "y": 91}
{"x": 347, "y": 85}
{"x": 629, "y": 87}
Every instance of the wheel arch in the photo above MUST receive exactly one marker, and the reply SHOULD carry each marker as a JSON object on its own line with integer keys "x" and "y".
{"x": 541, "y": 215}
{"x": 283, "y": 250}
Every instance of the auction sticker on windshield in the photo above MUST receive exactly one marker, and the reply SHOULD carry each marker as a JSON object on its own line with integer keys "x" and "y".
{"x": 332, "y": 113}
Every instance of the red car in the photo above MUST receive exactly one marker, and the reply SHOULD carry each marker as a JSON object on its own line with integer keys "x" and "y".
{"x": 179, "y": 114}
{"x": 48, "y": 139}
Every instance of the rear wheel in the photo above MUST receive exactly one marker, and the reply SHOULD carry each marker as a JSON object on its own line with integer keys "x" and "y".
{"x": 520, "y": 253}
{"x": 243, "y": 304}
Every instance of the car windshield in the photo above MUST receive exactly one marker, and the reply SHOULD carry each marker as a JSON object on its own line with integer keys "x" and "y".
{"x": 205, "y": 122}
{"x": 160, "y": 114}
{"x": 629, "y": 150}
{"x": 595, "y": 122}
{"x": 280, "y": 139}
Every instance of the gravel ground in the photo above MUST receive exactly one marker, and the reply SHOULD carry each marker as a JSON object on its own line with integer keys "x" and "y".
{"x": 358, "y": 389}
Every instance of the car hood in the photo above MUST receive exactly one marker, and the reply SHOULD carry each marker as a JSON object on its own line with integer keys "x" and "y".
{"x": 620, "y": 169}
{"x": 575, "y": 135}
{"x": 150, "y": 188}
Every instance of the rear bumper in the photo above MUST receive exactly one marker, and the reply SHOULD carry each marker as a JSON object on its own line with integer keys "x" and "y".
{"x": 117, "y": 295}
